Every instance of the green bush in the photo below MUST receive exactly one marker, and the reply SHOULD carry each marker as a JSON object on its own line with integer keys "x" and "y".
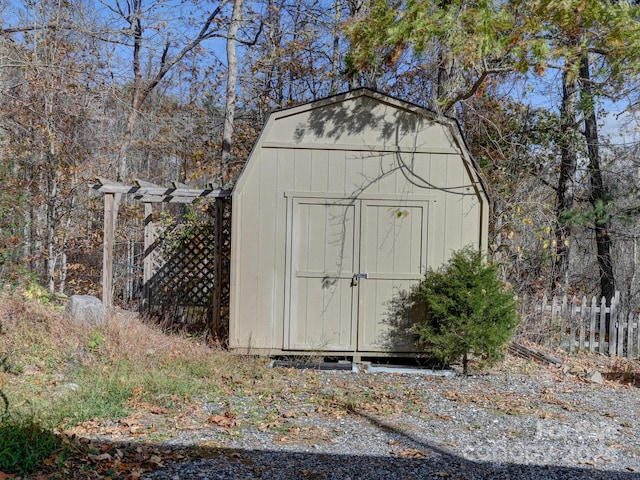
{"x": 24, "y": 444}
{"x": 468, "y": 312}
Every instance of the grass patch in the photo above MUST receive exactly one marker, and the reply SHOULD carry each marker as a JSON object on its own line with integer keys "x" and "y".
{"x": 59, "y": 376}
{"x": 25, "y": 444}
{"x": 63, "y": 373}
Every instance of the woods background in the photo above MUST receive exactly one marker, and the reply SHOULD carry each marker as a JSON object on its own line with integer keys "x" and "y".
{"x": 546, "y": 93}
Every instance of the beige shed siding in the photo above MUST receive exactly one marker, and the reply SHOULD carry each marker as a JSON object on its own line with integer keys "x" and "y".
{"x": 333, "y": 125}
{"x": 318, "y": 154}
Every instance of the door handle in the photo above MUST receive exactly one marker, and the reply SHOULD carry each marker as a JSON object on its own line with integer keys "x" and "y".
{"x": 356, "y": 278}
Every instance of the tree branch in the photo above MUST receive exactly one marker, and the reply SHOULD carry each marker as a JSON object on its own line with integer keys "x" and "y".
{"x": 474, "y": 89}
{"x": 167, "y": 63}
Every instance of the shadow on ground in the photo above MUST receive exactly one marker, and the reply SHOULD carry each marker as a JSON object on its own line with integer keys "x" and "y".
{"x": 412, "y": 459}
{"x": 418, "y": 460}
{"x": 275, "y": 465}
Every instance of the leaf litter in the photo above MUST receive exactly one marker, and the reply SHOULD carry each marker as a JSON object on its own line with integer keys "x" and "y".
{"x": 136, "y": 445}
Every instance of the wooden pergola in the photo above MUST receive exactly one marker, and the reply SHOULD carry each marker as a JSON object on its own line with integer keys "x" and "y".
{"x": 149, "y": 194}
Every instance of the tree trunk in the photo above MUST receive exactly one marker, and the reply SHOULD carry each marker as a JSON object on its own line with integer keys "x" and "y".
{"x": 599, "y": 196}
{"x": 566, "y": 181}
{"x": 232, "y": 84}
{"x": 354, "y": 77}
{"x": 127, "y": 142}
{"x": 335, "y": 54}
{"x": 443, "y": 77}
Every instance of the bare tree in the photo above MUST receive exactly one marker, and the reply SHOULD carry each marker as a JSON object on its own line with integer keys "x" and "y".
{"x": 232, "y": 85}
{"x": 144, "y": 23}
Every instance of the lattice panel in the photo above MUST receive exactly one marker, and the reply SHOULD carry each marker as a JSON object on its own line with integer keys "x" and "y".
{"x": 187, "y": 274}
{"x": 183, "y": 289}
{"x": 225, "y": 267}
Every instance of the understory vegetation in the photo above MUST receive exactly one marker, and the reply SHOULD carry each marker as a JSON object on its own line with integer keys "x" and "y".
{"x": 56, "y": 375}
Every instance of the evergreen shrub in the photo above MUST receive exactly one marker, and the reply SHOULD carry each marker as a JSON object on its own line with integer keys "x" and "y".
{"x": 468, "y": 311}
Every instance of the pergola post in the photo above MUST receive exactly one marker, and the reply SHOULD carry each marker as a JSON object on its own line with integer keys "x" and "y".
{"x": 107, "y": 249}
{"x": 217, "y": 259}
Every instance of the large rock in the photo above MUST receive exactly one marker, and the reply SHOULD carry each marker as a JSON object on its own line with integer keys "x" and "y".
{"x": 86, "y": 309}
{"x": 595, "y": 377}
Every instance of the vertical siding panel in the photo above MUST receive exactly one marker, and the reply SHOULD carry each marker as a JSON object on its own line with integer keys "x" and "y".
{"x": 355, "y": 181}
{"x": 471, "y": 211}
{"x": 319, "y": 170}
{"x": 406, "y": 166}
{"x": 336, "y": 168}
{"x": 264, "y": 264}
{"x": 453, "y": 220}
{"x": 422, "y": 172}
{"x": 284, "y": 182}
{"x": 382, "y": 173}
{"x": 438, "y": 177}
{"x": 302, "y": 170}
{"x": 370, "y": 173}
{"x": 248, "y": 280}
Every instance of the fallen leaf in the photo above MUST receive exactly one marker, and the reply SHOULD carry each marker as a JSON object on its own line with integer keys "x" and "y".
{"x": 413, "y": 453}
{"x": 159, "y": 410}
{"x": 105, "y": 447}
{"x": 226, "y": 421}
{"x": 452, "y": 395}
{"x": 449, "y": 444}
{"x": 444, "y": 417}
{"x": 105, "y": 457}
{"x": 289, "y": 414}
{"x": 137, "y": 391}
{"x": 4, "y": 476}
{"x": 263, "y": 427}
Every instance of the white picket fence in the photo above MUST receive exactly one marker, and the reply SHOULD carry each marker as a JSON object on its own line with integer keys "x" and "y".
{"x": 575, "y": 323}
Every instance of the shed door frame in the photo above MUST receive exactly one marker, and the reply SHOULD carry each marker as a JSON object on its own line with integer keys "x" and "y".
{"x": 294, "y": 200}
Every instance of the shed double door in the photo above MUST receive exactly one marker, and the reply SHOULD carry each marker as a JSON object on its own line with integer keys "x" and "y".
{"x": 347, "y": 261}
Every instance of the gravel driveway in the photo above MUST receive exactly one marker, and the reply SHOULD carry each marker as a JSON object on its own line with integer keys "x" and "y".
{"x": 548, "y": 424}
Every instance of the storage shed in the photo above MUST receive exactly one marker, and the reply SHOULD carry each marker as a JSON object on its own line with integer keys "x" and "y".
{"x": 343, "y": 205}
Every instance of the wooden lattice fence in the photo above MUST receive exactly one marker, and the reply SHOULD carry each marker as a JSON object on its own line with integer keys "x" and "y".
{"x": 576, "y": 323}
{"x": 189, "y": 284}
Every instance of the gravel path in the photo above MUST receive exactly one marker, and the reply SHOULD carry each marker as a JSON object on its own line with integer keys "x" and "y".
{"x": 551, "y": 425}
